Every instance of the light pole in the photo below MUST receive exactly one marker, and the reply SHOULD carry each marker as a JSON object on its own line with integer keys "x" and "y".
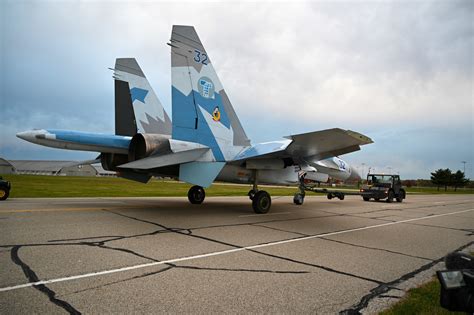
{"x": 464, "y": 167}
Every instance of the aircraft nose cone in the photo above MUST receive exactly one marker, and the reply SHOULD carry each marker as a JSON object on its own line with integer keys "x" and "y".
{"x": 31, "y": 135}
{"x": 25, "y": 135}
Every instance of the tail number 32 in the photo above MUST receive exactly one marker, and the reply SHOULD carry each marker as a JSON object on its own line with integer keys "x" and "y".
{"x": 200, "y": 57}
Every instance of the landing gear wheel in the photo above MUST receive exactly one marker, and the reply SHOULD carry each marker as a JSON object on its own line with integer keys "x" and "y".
{"x": 401, "y": 196}
{"x": 366, "y": 198}
{"x": 196, "y": 195}
{"x": 298, "y": 199}
{"x": 330, "y": 196}
{"x": 390, "y": 196}
{"x": 251, "y": 194}
{"x": 341, "y": 197}
{"x": 4, "y": 193}
{"x": 261, "y": 202}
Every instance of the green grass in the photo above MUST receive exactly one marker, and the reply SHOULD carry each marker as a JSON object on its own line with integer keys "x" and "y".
{"x": 422, "y": 300}
{"x": 70, "y": 186}
{"x": 434, "y": 190}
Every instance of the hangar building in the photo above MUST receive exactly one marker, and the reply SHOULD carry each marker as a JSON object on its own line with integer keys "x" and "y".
{"x": 6, "y": 167}
{"x": 61, "y": 168}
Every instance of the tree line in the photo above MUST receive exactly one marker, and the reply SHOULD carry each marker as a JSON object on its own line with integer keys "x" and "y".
{"x": 446, "y": 178}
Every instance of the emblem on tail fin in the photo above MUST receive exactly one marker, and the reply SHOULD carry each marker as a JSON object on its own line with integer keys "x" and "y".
{"x": 216, "y": 114}
{"x": 206, "y": 87}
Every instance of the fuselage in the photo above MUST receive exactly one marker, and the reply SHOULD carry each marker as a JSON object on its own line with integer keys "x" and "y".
{"x": 316, "y": 170}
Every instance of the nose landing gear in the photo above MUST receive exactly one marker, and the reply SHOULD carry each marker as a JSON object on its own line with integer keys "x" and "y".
{"x": 298, "y": 199}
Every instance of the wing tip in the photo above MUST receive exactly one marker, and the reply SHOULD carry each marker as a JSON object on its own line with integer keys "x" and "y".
{"x": 362, "y": 138}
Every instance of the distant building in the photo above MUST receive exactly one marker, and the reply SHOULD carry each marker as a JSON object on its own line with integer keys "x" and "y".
{"x": 6, "y": 167}
{"x": 56, "y": 168}
{"x": 78, "y": 170}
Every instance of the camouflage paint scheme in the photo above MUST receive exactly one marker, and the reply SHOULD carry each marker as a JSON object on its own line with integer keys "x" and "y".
{"x": 207, "y": 140}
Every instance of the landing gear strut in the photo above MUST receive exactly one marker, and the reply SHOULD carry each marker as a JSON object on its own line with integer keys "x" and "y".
{"x": 261, "y": 200}
{"x": 298, "y": 199}
{"x": 252, "y": 193}
{"x": 196, "y": 195}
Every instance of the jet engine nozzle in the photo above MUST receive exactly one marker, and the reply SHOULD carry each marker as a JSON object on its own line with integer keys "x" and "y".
{"x": 144, "y": 145}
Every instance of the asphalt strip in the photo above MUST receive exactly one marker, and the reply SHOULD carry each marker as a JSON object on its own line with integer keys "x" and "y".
{"x": 224, "y": 252}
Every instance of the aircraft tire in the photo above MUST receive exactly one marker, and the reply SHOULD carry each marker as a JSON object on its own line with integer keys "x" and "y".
{"x": 261, "y": 202}
{"x": 330, "y": 196}
{"x": 298, "y": 199}
{"x": 196, "y": 195}
{"x": 366, "y": 198}
{"x": 4, "y": 193}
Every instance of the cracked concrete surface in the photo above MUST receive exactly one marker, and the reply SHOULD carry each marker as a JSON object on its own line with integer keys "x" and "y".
{"x": 205, "y": 259}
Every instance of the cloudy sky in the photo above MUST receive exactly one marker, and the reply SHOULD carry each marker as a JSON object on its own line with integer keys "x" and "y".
{"x": 400, "y": 72}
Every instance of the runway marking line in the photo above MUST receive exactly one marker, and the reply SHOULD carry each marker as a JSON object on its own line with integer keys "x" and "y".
{"x": 53, "y": 210}
{"x": 99, "y": 208}
{"x": 224, "y": 252}
{"x": 259, "y": 215}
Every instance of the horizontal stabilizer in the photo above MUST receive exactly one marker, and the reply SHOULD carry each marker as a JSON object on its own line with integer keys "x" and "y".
{"x": 156, "y": 161}
{"x": 200, "y": 173}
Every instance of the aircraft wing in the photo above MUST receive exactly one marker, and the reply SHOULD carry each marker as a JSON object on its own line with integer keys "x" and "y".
{"x": 313, "y": 145}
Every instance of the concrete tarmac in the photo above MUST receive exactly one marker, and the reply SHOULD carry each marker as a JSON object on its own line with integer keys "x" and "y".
{"x": 157, "y": 255}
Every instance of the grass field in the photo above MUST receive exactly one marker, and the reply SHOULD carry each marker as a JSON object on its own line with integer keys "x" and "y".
{"x": 69, "y": 186}
{"x": 33, "y": 186}
{"x": 434, "y": 190}
{"x": 422, "y": 300}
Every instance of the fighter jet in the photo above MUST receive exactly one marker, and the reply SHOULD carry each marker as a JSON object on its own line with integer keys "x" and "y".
{"x": 205, "y": 140}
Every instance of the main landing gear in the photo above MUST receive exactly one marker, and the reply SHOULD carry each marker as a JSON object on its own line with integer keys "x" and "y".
{"x": 261, "y": 200}
{"x": 196, "y": 195}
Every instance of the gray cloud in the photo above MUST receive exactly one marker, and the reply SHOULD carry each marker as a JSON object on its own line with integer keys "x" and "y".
{"x": 288, "y": 68}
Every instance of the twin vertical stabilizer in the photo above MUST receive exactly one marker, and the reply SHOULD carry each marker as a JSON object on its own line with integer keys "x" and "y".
{"x": 201, "y": 110}
{"x": 137, "y": 108}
